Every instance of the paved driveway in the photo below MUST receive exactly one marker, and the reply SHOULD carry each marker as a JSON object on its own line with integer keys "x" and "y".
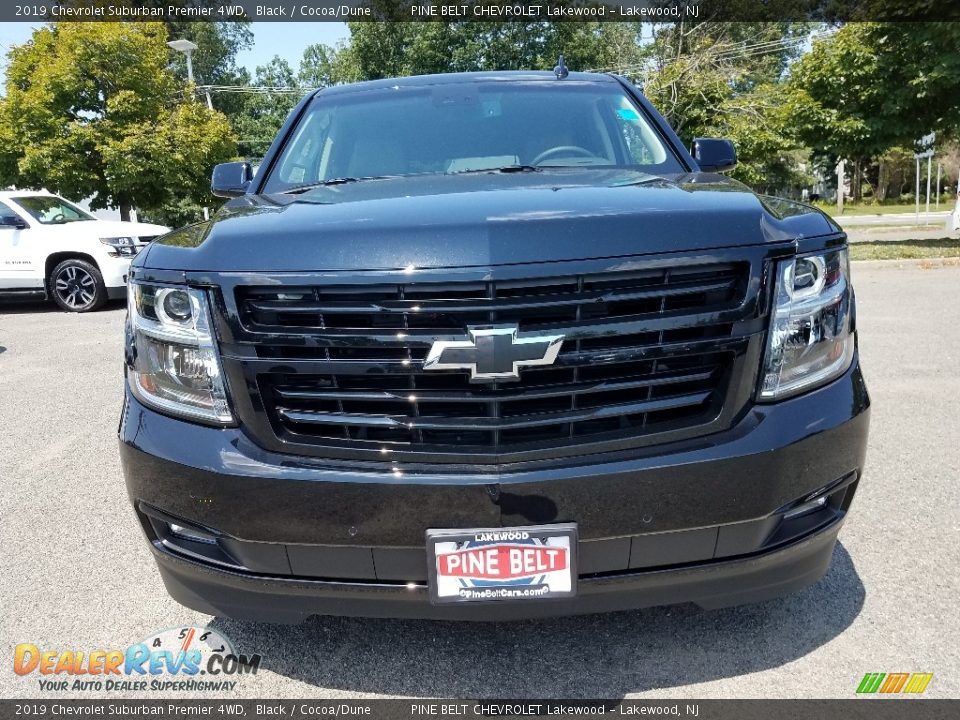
{"x": 77, "y": 575}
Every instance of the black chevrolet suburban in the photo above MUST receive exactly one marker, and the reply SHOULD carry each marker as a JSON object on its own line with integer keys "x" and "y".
{"x": 490, "y": 346}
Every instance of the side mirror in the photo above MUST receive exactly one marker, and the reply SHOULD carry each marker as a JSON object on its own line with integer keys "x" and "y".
{"x": 714, "y": 154}
{"x": 13, "y": 222}
{"x": 231, "y": 179}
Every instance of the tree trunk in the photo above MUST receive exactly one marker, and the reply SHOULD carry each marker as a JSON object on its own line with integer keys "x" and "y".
{"x": 883, "y": 181}
{"x": 125, "y": 209}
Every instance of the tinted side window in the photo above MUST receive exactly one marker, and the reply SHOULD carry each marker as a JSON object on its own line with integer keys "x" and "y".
{"x": 7, "y": 212}
{"x": 643, "y": 144}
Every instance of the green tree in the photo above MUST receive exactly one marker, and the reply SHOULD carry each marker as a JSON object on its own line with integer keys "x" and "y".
{"x": 264, "y": 111}
{"x": 89, "y": 112}
{"x": 835, "y": 97}
{"x": 414, "y": 48}
{"x": 918, "y": 68}
{"x": 323, "y": 65}
{"x": 715, "y": 79}
{"x": 871, "y": 87}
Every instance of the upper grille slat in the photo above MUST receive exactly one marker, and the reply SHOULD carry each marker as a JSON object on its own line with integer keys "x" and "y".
{"x": 612, "y": 327}
{"x": 422, "y": 309}
{"x": 470, "y": 306}
{"x": 563, "y": 390}
{"x": 491, "y": 423}
{"x": 340, "y": 368}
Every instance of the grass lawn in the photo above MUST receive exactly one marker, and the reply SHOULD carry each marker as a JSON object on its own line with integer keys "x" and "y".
{"x": 905, "y": 249}
{"x": 850, "y": 209}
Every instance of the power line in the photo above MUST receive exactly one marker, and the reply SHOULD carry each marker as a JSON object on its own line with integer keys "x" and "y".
{"x": 256, "y": 89}
{"x": 733, "y": 51}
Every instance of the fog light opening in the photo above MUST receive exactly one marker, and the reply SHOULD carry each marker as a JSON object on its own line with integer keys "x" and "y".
{"x": 806, "y": 508}
{"x": 188, "y": 533}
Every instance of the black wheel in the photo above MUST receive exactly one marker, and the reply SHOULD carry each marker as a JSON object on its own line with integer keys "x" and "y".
{"x": 77, "y": 286}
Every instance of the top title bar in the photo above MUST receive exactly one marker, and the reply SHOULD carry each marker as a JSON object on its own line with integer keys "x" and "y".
{"x": 483, "y": 10}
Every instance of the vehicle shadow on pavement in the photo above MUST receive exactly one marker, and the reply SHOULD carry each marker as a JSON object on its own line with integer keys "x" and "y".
{"x": 25, "y": 307}
{"x": 33, "y": 307}
{"x": 589, "y": 656}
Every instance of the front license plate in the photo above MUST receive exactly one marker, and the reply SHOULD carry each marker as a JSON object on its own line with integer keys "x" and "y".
{"x": 522, "y": 563}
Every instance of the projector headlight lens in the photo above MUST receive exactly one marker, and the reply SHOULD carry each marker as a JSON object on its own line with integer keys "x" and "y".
{"x": 176, "y": 367}
{"x": 811, "y": 339}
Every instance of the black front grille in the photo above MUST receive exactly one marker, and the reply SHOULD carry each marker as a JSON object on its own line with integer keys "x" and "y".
{"x": 452, "y": 307}
{"x": 642, "y": 353}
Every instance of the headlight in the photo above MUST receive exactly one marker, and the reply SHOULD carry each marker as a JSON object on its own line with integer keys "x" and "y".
{"x": 121, "y": 246}
{"x": 811, "y": 339}
{"x": 176, "y": 368}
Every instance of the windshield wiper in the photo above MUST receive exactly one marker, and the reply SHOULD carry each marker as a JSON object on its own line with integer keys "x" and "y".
{"x": 502, "y": 169}
{"x": 336, "y": 181}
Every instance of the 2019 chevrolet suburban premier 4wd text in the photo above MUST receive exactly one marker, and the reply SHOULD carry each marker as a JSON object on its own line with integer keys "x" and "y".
{"x": 490, "y": 346}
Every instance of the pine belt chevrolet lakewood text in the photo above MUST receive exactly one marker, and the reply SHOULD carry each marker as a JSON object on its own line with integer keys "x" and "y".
{"x": 490, "y": 346}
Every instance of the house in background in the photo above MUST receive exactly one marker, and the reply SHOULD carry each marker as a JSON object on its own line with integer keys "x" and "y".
{"x": 108, "y": 214}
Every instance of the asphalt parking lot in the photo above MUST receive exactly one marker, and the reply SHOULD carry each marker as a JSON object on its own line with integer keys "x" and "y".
{"x": 76, "y": 573}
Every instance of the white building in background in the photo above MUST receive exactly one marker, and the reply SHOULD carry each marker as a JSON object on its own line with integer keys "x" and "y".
{"x": 108, "y": 214}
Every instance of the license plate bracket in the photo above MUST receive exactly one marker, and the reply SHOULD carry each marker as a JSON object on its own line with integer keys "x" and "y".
{"x": 537, "y": 562}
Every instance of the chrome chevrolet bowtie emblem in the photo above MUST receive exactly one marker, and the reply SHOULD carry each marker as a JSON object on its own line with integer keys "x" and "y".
{"x": 493, "y": 353}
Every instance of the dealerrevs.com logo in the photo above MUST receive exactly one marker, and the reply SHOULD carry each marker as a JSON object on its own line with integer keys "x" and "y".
{"x": 894, "y": 683}
{"x": 190, "y": 659}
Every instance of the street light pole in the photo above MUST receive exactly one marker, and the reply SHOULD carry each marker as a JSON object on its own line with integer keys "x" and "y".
{"x": 187, "y": 48}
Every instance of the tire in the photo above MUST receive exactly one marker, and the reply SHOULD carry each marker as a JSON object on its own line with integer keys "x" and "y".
{"x": 77, "y": 286}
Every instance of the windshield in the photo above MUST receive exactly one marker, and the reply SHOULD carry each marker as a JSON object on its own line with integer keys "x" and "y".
{"x": 452, "y": 128}
{"x": 51, "y": 210}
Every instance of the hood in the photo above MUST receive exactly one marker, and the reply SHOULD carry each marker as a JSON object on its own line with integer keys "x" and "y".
{"x": 483, "y": 219}
{"x": 120, "y": 228}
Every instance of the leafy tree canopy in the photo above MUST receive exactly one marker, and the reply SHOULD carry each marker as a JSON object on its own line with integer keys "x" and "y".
{"x": 392, "y": 49}
{"x": 873, "y": 86}
{"x": 89, "y": 112}
{"x": 713, "y": 79}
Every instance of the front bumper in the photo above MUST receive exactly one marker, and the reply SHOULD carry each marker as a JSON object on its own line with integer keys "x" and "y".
{"x": 114, "y": 271}
{"x": 281, "y": 600}
{"x": 700, "y": 520}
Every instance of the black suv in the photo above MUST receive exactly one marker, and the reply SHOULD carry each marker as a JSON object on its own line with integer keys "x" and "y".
{"x": 489, "y": 346}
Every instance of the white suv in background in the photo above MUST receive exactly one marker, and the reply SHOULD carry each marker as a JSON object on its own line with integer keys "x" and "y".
{"x": 51, "y": 248}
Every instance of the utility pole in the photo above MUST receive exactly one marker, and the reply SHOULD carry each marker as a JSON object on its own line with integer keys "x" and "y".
{"x": 929, "y": 162}
{"x": 939, "y": 168}
{"x": 917, "y": 194}
{"x": 840, "y": 177}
